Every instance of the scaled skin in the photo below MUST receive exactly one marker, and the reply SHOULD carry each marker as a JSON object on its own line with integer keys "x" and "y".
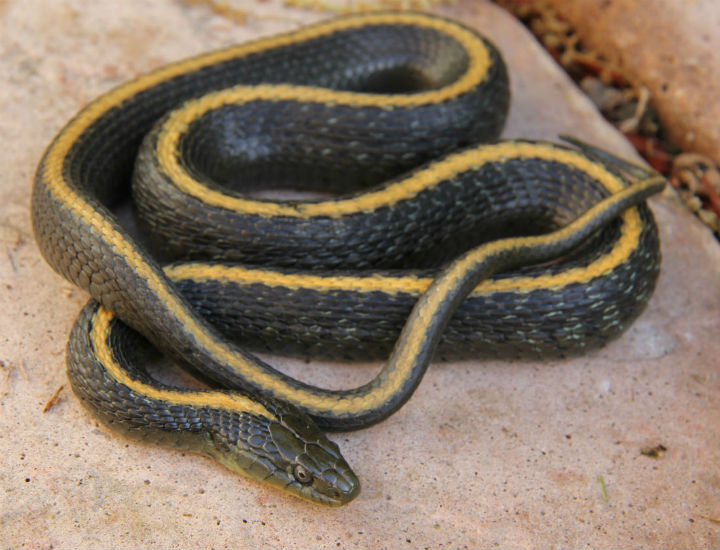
{"x": 253, "y": 435}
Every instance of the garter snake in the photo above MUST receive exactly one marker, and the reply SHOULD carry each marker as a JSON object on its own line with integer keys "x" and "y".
{"x": 360, "y": 101}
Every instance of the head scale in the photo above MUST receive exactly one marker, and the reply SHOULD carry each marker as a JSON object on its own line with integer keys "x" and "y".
{"x": 287, "y": 451}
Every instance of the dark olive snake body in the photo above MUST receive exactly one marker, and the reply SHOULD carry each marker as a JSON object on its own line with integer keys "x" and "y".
{"x": 553, "y": 247}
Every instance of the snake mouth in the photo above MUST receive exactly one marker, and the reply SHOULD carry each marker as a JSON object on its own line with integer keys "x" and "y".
{"x": 339, "y": 496}
{"x": 346, "y": 495}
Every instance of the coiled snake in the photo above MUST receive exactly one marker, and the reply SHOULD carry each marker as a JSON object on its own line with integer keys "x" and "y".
{"x": 384, "y": 112}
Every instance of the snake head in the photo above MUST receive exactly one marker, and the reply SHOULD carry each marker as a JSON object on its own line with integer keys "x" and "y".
{"x": 286, "y": 449}
{"x": 313, "y": 466}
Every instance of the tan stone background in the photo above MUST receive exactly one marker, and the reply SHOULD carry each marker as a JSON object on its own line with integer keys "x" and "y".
{"x": 485, "y": 454}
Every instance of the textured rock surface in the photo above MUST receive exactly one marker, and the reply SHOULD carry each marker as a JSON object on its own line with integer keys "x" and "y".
{"x": 669, "y": 46}
{"x": 483, "y": 454}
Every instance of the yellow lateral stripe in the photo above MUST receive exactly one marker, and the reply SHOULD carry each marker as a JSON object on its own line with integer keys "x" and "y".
{"x": 59, "y": 149}
{"x": 415, "y": 332}
{"x": 402, "y": 284}
{"x": 219, "y": 400}
{"x": 475, "y": 73}
{"x": 631, "y": 230}
{"x": 120, "y": 245}
{"x": 365, "y": 402}
{"x": 224, "y": 354}
{"x": 403, "y": 189}
{"x": 52, "y": 176}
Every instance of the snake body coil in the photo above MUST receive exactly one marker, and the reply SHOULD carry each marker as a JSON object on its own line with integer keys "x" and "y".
{"x": 334, "y": 108}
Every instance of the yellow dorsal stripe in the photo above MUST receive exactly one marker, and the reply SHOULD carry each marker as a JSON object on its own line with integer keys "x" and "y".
{"x": 410, "y": 284}
{"x": 476, "y": 73}
{"x": 415, "y": 333}
{"x": 61, "y": 190}
{"x": 403, "y": 189}
{"x": 255, "y": 375}
{"x": 303, "y": 398}
{"x": 218, "y": 400}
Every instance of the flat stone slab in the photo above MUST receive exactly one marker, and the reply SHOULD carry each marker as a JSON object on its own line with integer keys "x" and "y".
{"x": 485, "y": 453}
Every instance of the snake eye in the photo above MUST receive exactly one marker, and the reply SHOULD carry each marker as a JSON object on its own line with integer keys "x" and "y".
{"x": 302, "y": 474}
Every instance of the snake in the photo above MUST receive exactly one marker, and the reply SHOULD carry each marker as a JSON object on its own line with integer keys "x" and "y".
{"x": 413, "y": 232}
